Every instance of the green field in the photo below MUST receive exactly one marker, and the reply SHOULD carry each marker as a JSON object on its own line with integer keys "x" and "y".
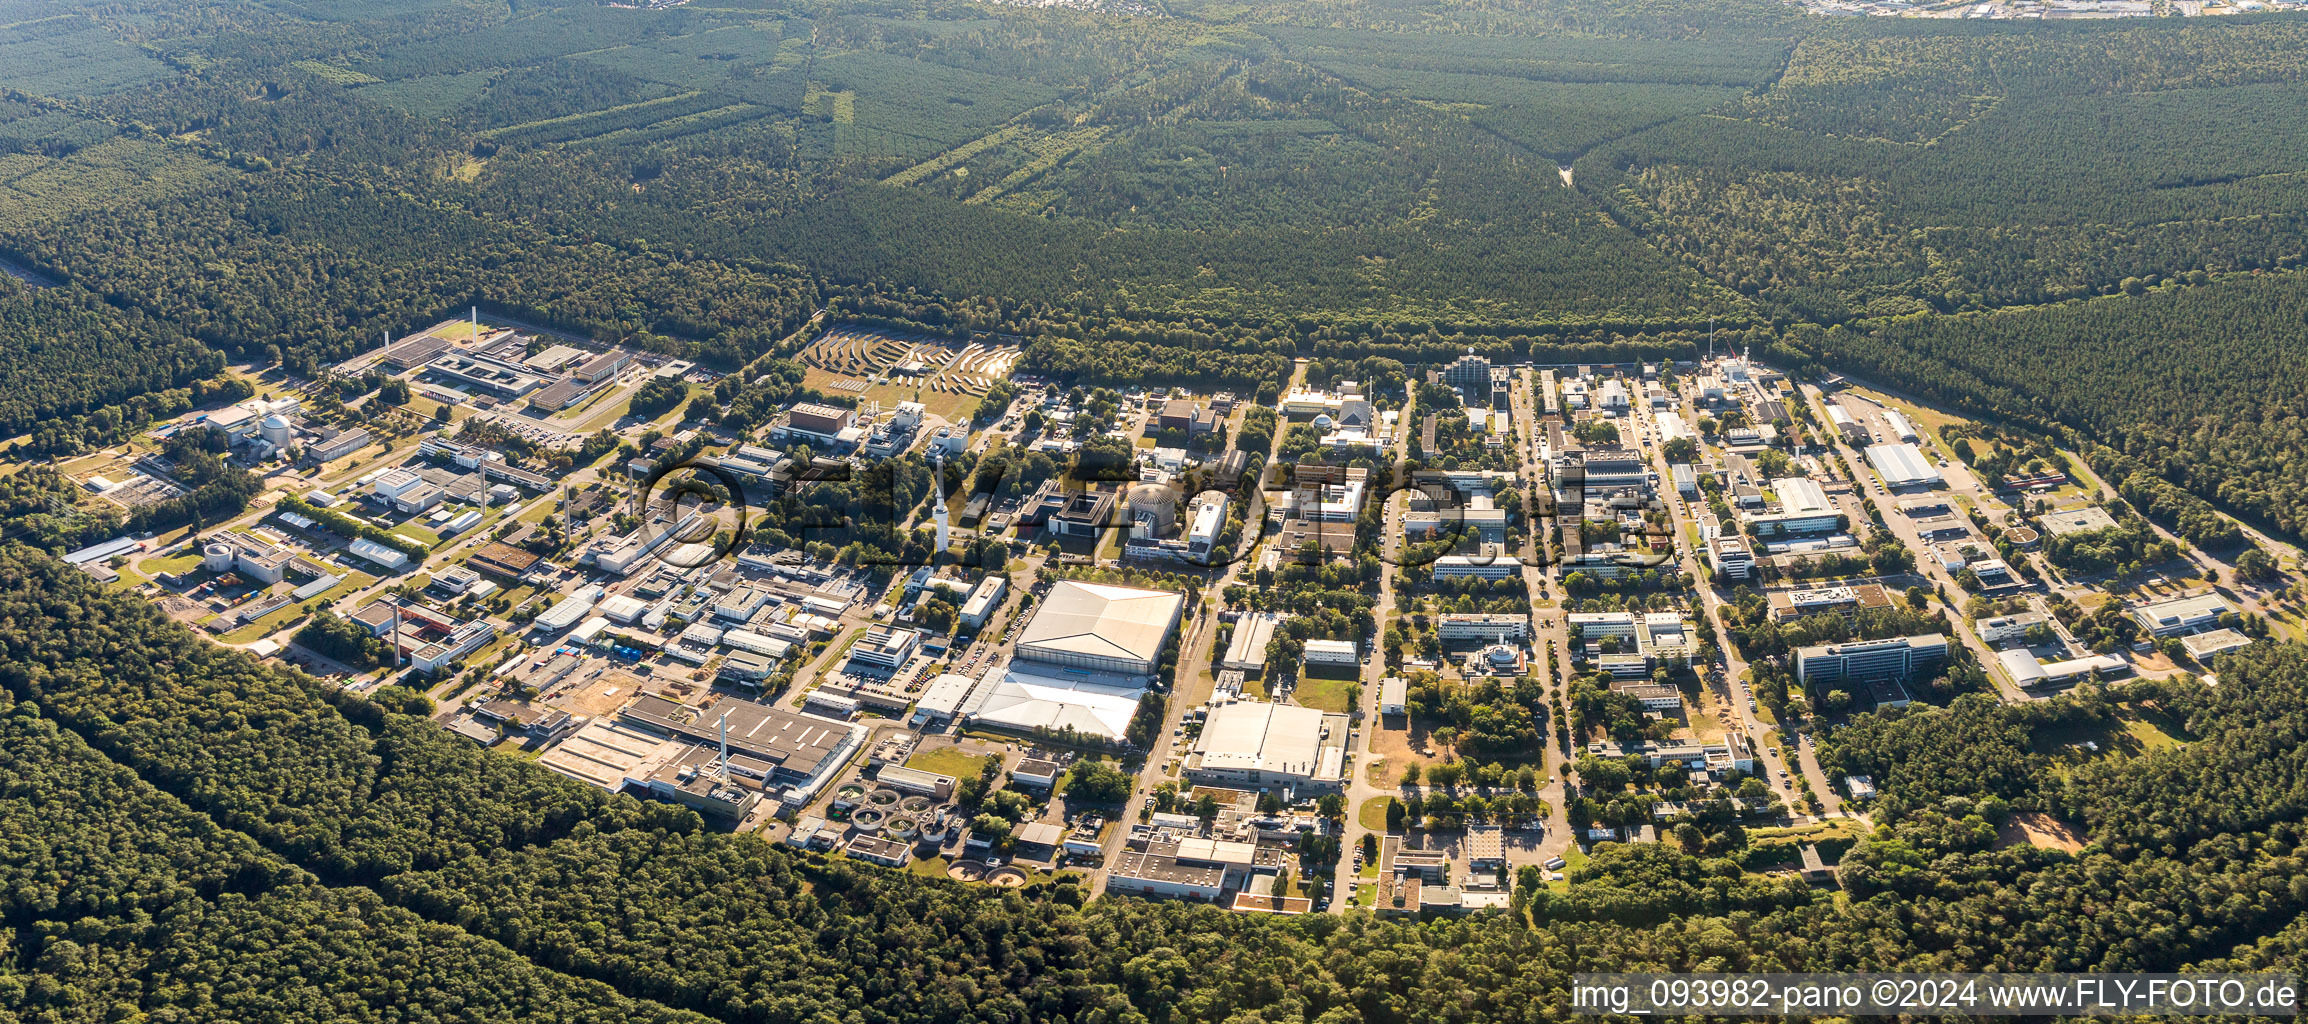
{"x": 948, "y": 761}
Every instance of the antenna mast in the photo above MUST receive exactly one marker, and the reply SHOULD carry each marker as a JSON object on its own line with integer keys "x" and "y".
{"x": 938, "y": 487}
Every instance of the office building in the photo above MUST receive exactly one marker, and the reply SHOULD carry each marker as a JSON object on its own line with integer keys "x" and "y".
{"x": 1870, "y": 660}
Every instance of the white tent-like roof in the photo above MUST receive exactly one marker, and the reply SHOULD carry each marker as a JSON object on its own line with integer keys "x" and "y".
{"x": 1023, "y": 700}
{"x": 1102, "y": 620}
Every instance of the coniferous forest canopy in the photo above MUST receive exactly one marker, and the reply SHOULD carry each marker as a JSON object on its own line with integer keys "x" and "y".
{"x": 1200, "y": 191}
{"x": 177, "y": 811}
{"x": 2091, "y": 229}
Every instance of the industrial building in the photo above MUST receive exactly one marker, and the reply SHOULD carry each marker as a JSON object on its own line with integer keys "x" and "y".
{"x": 1246, "y": 649}
{"x": 1031, "y": 698}
{"x": 2025, "y": 670}
{"x": 1803, "y": 509}
{"x": 789, "y": 753}
{"x": 1870, "y": 660}
{"x": 1194, "y": 868}
{"x": 1900, "y": 427}
{"x": 1101, "y": 627}
{"x": 1851, "y": 429}
{"x": 1260, "y": 744}
{"x": 1901, "y": 466}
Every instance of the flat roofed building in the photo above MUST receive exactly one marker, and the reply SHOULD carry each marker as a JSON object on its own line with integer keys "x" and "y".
{"x": 1484, "y": 627}
{"x": 1789, "y": 605}
{"x": 1801, "y": 496}
{"x": 1653, "y": 696}
{"x": 1262, "y": 744}
{"x": 609, "y": 754}
{"x": 2202, "y": 646}
{"x": 885, "y": 648}
{"x": 2003, "y": 628}
{"x": 2182, "y": 614}
{"x": 1593, "y": 625}
{"x": 503, "y": 560}
{"x": 2062, "y": 522}
{"x": 1331, "y": 652}
{"x": 876, "y": 850}
{"x": 1194, "y": 868}
{"x": 1393, "y": 695}
{"x": 983, "y": 600}
{"x": 494, "y": 376}
{"x": 2026, "y": 671}
{"x": 801, "y": 748}
{"x": 1491, "y": 563}
{"x": 1733, "y": 557}
{"x": 1247, "y": 646}
{"x": 814, "y": 421}
{"x": 942, "y": 700}
{"x": 553, "y": 358}
{"x": 1870, "y": 660}
{"x": 1101, "y": 627}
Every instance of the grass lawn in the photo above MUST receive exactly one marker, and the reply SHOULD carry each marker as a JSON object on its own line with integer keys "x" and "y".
{"x": 597, "y": 412}
{"x": 156, "y": 566}
{"x": 949, "y": 761}
{"x": 1573, "y": 859}
{"x": 2135, "y": 731}
{"x": 1372, "y": 813}
{"x": 1365, "y": 895}
{"x": 933, "y": 866}
{"x": 1327, "y": 694}
{"x": 418, "y": 533}
{"x": 264, "y": 627}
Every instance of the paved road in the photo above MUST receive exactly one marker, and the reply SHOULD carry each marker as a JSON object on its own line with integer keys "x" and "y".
{"x": 1905, "y": 530}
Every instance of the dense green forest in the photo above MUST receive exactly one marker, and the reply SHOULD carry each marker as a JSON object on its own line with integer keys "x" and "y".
{"x": 1199, "y": 194}
{"x": 175, "y": 810}
{"x": 1196, "y": 194}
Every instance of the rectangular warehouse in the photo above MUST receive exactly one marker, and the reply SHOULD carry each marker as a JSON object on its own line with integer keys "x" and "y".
{"x": 1902, "y": 465}
{"x": 1102, "y": 627}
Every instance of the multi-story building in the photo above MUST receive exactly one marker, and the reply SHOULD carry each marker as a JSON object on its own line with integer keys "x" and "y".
{"x": 1870, "y": 660}
{"x": 884, "y": 648}
{"x": 1459, "y": 627}
{"x": 2182, "y": 615}
{"x": 1733, "y": 558}
{"x": 2004, "y": 628}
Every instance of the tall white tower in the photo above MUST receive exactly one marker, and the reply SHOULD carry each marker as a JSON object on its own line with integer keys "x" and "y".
{"x": 938, "y": 488}
{"x": 721, "y": 771}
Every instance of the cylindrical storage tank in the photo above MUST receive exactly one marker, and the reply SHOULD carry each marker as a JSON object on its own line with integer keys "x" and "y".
{"x": 216, "y": 557}
{"x": 275, "y": 428}
{"x": 1323, "y": 421}
{"x": 1156, "y": 501}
